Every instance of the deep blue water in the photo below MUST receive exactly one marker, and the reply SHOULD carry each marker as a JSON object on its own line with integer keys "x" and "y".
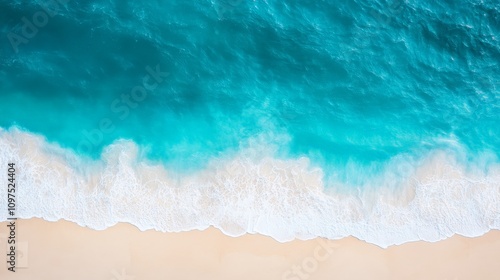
{"x": 346, "y": 81}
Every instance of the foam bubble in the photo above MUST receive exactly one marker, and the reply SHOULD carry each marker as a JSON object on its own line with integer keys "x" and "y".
{"x": 429, "y": 199}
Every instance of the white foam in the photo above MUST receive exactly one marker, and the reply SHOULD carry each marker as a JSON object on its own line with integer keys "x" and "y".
{"x": 429, "y": 199}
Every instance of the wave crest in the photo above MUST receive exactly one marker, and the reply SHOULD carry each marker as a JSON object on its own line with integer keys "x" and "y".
{"x": 285, "y": 199}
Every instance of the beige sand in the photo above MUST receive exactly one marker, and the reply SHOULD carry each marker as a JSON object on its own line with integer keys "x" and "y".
{"x": 64, "y": 250}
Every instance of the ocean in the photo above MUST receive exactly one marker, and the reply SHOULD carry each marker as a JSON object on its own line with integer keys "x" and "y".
{"x": 293, "y": 119}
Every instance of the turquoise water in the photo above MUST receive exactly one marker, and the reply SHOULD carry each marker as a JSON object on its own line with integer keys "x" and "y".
{"x": 292, "y": 119}
{"x": 345, "y": 81}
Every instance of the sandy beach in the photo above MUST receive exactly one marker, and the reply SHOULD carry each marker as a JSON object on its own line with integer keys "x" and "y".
{"x": 64, "y": 250}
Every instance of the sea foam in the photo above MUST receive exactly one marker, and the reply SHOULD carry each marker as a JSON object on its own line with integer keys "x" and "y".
{"x": 246, "y": 193}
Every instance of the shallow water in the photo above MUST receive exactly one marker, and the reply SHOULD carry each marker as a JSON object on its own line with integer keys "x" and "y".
{"x": 363, "y": 95}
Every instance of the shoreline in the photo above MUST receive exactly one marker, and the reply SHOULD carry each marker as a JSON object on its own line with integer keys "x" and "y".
{"x": 426, "y": 198}
{"x": 221, "y": 231}
{"x": 64, "y": 250}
